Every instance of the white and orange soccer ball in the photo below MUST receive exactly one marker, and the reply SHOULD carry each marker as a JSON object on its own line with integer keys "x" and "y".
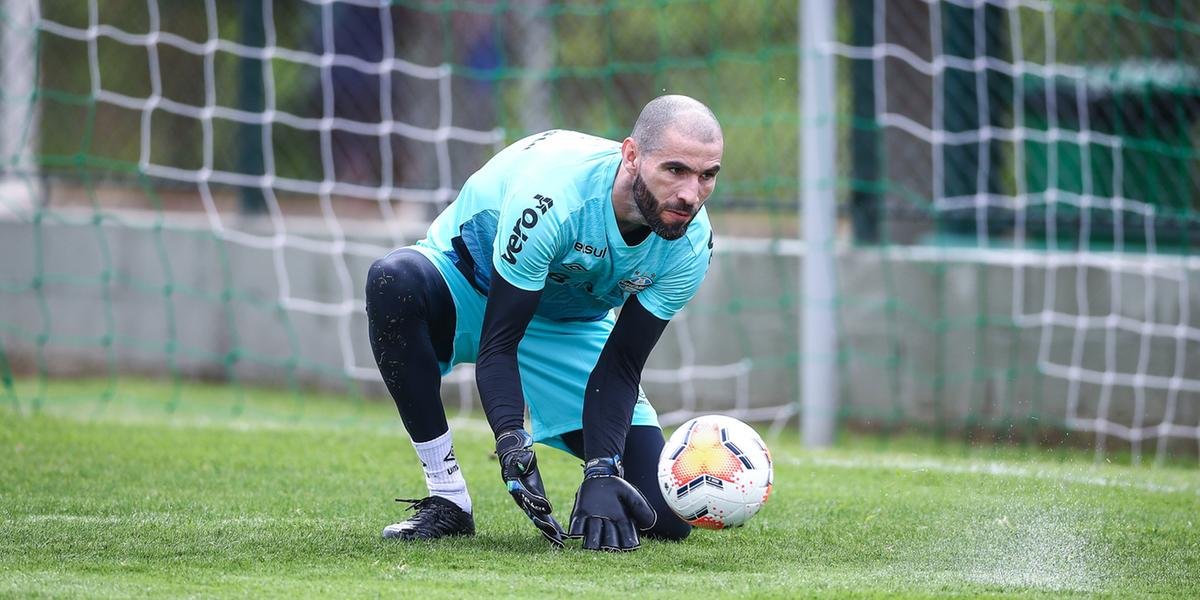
{"x": 715, "y": 472}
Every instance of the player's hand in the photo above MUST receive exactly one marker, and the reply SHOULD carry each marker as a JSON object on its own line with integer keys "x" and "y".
{"x": 608, "y": 510}
{"x": 518, "y": 468}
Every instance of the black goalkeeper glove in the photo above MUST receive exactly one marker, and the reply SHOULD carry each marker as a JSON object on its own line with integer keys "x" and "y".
{"x": 608, "y": 510}
{"x": 518, "y": 468}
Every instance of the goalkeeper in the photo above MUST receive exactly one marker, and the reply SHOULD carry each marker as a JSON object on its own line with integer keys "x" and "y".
{"x": 521, "y": 275}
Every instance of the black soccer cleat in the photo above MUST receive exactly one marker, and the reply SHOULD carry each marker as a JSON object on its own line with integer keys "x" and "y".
{"x": 435, "y": 517}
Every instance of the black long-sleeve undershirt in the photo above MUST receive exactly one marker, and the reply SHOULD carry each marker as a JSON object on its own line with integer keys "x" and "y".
{"x": 611, "y": 391}
{"x": 508, "y": 313}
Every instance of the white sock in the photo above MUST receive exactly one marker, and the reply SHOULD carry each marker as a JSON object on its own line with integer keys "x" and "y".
{"x": 443, "y": 476}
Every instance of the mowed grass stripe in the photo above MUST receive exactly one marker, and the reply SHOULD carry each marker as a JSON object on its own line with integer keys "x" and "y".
{"x": 101, "y": 508}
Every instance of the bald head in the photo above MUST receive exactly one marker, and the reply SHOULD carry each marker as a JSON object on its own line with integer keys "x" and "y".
{"x": 681, "y": 114}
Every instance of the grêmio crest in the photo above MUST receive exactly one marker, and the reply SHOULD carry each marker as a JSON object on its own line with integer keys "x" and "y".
{"x": 637, "y": 283}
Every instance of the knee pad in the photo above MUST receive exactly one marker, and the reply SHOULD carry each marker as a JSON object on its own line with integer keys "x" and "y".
{"x": 404, "y": 290}
{"x": 394, "y": 276}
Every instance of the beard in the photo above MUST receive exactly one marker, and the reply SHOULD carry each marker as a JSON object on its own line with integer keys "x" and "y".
{"x": 652, "y": 210}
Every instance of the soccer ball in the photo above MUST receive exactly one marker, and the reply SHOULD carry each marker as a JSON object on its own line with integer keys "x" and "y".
{"x": 715, "y": 472}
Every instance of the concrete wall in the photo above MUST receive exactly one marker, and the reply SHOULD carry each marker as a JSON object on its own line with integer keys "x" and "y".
{"x": 923, "y": 340}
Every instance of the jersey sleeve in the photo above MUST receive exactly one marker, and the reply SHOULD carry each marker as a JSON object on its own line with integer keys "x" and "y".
{"x": 529, "y": 236}
{"x": 673, "y": 291}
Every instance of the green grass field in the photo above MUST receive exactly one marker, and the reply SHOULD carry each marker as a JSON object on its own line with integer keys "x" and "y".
{"x": 139, "y": 489}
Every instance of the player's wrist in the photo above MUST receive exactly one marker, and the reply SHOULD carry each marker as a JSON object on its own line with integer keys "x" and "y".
{"x": 513, "y": 439}
{"x": 605, "y": 466}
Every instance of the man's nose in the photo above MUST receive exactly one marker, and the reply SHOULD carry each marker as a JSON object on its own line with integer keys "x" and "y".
{"x": 689, "y": 192}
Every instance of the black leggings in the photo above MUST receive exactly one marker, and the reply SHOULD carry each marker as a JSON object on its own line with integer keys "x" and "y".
{"x": 410, "y": 316}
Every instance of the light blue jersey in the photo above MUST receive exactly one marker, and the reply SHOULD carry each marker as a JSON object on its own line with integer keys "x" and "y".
{"x": 540, "y": 214}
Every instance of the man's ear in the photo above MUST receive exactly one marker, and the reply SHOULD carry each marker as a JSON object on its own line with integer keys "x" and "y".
{"x": 629, "y": 155}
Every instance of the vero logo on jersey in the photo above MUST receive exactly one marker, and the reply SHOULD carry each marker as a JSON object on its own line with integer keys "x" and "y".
{"x": 527, "y": 220}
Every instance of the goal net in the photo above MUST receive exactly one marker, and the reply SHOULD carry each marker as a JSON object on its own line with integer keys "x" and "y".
{"x": 1025, "y": 174}
{"x": 194, "y": 190}
{"x": 207, "y": 182}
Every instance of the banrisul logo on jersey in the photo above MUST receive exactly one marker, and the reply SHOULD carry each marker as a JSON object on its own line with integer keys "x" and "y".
{"x": 596, "y": 251}
{"x": 527, "y": 220}
{"x": 637, "y": 283}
